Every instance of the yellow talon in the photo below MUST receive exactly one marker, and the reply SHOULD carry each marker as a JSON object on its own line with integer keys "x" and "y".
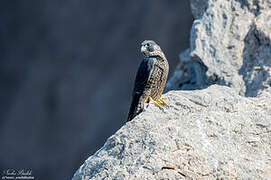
{"x": 162, "y": 101}
{"x": 157, "y": 103}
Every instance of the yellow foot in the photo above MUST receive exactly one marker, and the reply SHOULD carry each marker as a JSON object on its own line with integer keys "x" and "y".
{"x": 157, "y": 103}
{"x": 162, "y": 101}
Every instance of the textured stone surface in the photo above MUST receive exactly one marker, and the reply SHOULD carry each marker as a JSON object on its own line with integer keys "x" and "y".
{"x": 209, "y": 133}
{"x": 217, "y": 132}
{"x": 229, "y": 45}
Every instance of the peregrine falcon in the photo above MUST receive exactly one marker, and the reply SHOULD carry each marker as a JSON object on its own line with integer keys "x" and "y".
{"x": 150, "y": 79}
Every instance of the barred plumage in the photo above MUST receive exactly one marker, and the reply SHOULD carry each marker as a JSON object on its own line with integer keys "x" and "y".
{"x": 150, "y": 79}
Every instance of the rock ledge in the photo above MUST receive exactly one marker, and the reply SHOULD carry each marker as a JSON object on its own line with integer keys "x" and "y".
{"x": 209, "y": 133}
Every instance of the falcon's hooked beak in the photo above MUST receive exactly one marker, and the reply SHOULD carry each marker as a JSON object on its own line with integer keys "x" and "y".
{"x": 143, "y": 49}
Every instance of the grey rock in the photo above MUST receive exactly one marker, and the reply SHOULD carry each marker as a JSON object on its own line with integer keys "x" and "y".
{"x": 220, "y": 131}
{"x": 204, "y": 134}
{"x": 188, "y": 75}
{"x": 231, "y": 41}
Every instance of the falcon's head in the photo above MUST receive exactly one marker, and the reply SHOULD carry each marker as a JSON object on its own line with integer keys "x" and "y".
{"x": 150, "y": 49}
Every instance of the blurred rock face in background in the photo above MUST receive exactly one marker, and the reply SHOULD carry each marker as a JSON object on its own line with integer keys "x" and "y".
{"x": 67, "y": 67}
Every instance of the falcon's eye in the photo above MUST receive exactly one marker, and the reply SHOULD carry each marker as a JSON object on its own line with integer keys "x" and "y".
{"x": 150, "y": 48}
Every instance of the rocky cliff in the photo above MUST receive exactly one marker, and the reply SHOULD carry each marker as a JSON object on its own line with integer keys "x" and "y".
{"x": 211, "y": 133}
{"x": 218, "y": 123}
{"x": 229, "y": 45}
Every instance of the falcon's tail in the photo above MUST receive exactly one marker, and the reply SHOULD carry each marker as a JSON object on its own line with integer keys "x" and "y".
{"x": 136, "y": 107}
